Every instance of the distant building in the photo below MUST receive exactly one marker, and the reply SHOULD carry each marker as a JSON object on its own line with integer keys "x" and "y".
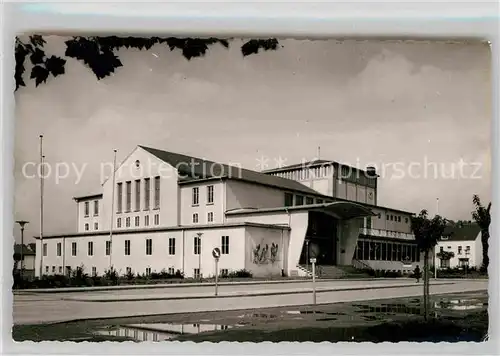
{"x": 171, "y": 210}
{"x": 463, "y": 243}
{"x": 28, "y": 258}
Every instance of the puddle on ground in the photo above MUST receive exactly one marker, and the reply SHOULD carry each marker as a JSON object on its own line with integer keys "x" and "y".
{"x": 159, "y": 332}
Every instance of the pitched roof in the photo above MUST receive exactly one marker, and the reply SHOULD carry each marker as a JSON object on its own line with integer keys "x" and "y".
{"x": 467, "y": 232}
{"x": 316, "y": 162}
{"x": 26, "y": 250}
{"x": 192, "y": 168}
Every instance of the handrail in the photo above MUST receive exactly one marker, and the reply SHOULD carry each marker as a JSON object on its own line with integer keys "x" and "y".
{"x": 360, "y": 264}
{"x": 386, "y": 233}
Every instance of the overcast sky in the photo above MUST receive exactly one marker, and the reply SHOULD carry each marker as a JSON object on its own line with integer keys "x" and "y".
{"x": 380, "y": 103}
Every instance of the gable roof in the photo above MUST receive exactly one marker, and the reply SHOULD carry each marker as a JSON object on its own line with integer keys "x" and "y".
{"x": 192, "y": 168}
{"x": 467, "y": 232}
{"x": 26, "y": 250}
{"x": 310, "y": 164}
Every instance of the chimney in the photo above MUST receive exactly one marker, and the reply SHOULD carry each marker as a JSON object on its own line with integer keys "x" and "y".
{"x": 371, "y": 172}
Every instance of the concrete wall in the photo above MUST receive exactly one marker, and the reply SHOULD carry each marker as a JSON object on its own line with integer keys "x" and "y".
{"x": 381, "y": 222}
{"x": 247, "y": 195}
{"x": 347, "y": 238}
{"x": 91, "y": 219}
{"x": 265, "y": 251}
{"x": 187, "y": 209}
{"x": 150, "y": 167}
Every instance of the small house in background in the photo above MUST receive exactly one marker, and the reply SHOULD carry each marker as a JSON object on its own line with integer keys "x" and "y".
{"x": 460, "y": 246}
{"x": 28, "y": 254}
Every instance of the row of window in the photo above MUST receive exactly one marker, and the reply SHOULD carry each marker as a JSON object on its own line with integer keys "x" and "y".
{"x": 210, "y": 217}
{"x": 87, "y": 226}
{"x": 459, "y": 252}
{"x": 137, "y": 221}
{"x": 297, "y": 200}
{"x": 147, "y": 195}
{"x": 149, "y": 247}
{"x": 386, "y": 251}
{"x": 195, "y": 195}
{"x": 308, "y": 173}
{"x": 87, "y": 208}
{"x": 396, "y": 218}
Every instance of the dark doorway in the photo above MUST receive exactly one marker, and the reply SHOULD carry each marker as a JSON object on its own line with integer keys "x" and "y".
{"x": 320, "y": 240}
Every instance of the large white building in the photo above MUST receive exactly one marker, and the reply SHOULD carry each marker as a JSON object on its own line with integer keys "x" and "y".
{"x": 168, "y": 211}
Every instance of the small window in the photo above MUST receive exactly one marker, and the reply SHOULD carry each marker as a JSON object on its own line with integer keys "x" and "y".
{"x": 171, "y": 271}
{"x": 44, "y": 249}
{"x": 224, "y": 272}
{"x": 60, "y": 269}
{"x": 53, "y": 269}
{"x": 86, "y": 227}
{"x": 127, "y": 222}
{"x": 108, "y": 248}
{"x": 406, "y": 220}
{"x": 387, "y": 217}
{"x": 137, "y": 220}
{"x": 195, "y": 218}
{"x": 196, "y": 196}
{"x": 146, "y": 220}
{"x": 210, "y": 194}
{"x": 94, "y": 271}
{"x": 148, "y": 271}
{"x": 119, "y": 222}
{"x": 128, "y": 270}
{"x": 459, "y": 250}
{"x": 288, "y": 199}
{"x": 86, "y": 209}
{"x": 149, "y": 247}
{"x": 157, "y": 219}
{"x": 46, "y": 269}
{"x": 309, "y": 201}
{"x": 171, "y": 246}
{"x": 90, "y": 248}
{"x": 96, "y": 226}
{"x": 210, "y": 217}
{"x": 197, "y": 245}
{"x": 96, "y": 207}
{"x": 225, "y": 245}
{"x": 196, "y": 273}
{"x": 299, "y": 200}
{"x": 73, "y": 249}
{"x": 319, "y": 201}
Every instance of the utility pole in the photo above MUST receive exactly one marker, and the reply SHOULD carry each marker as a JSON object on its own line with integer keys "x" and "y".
{"x": 41, "y": 171}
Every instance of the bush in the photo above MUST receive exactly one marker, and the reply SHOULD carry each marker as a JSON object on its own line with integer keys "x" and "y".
{"x": 242, "y": 273}
{"x": 111, "y": 275}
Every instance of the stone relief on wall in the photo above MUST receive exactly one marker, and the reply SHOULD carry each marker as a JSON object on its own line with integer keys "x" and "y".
{"x": 265, "y": 254}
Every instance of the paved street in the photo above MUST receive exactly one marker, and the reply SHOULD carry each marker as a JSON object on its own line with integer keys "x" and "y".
{"x": 48, "y": 307}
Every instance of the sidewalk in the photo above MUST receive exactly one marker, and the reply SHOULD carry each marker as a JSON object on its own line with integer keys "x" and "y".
{"x": 231, "y": 294}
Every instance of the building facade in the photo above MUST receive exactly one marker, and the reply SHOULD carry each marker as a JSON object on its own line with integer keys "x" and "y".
{"x": 462, "y": 247}
{"x": 167, "y": 211}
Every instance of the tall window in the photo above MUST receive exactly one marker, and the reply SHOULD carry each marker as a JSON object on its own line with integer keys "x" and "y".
{"x": 195, "y": 218}
{"x": 127, "y": 222}
{"x": 157, "y": 219}
{"x": 96, "y": 207}
{"x": 96, "y": 226}
{"x": 171, "y": 246}
{"x": 147, "y": 193}
{"x": 288, "y": 199}
{"x": 127, "y": 247}
{"x": 119, "y": 188}
{"x": 73, "y": 249}
{"x": 119, "y": 222}
{"x": 59, "y": 248}
{"x": 210, "y": 217}
{"x": 45, "y": 249}
{"x": 225, "y": 245}
{"x": 86, "y": 211}
{"x": 90, "y": 249}
{"x": 196, "y": 196}
{"x": 108, "y": 248}
{"x": 137, "y": 222}
{"x": 157, "y": 192}
{"x": 210, "y": 194}
{"x": 128, "y": 206}
{"x": 197, "y": 245}
{"x": 137, "y": 195}
{"x": 149, "y": 246}
{"x": 146, "y": 220}
{"x": 86, "y": 227}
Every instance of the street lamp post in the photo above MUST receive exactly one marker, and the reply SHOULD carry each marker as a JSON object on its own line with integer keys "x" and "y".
{"x": 199, "y": 234}
{"x": 22, "y": 223}
{"x": 307, "y": 254}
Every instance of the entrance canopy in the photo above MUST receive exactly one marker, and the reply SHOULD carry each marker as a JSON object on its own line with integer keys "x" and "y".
{"x": 343, "y": 210}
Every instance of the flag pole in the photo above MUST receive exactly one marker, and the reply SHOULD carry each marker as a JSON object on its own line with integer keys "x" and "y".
{"x": 41, "y": 171}
{"x": 112, "y": 212}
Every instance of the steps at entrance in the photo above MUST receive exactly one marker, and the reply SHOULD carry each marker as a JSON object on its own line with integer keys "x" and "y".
{"x": 336, "y": 272}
